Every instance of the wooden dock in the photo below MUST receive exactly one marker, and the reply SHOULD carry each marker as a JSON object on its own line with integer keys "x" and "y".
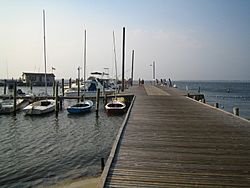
{"x": 172, "y": 141}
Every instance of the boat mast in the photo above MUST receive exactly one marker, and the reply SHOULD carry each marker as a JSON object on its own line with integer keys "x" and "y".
{"x": 44, "y": 53}
{"x": 85, "y": 61}
{"x": 116, "y": 79}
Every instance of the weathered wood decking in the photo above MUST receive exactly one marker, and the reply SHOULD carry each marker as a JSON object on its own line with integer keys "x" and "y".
{"x": 172, "y": 141}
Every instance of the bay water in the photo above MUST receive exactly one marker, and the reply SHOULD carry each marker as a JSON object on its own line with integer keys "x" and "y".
{"x": 44, "y": 150}
{"x": 228, "y": 94}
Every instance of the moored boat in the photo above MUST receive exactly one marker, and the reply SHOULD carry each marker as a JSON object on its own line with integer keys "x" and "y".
{"x": 40, "y": 107}
{"x": 80, "y": 107}
{"x": 7, "y": 105}
{"x": 46, "y": 105}
{"x": 116, "y": 106}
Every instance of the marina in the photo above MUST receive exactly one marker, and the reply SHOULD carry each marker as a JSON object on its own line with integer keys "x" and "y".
{"x": 166, "y": 103}
{"x": 67, "y": 129}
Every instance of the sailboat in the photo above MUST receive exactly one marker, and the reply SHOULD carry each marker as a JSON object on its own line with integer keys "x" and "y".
{"x": 117, "y": 104}
{"x": 46, "y": 105}
{"x": 85, "y": 105}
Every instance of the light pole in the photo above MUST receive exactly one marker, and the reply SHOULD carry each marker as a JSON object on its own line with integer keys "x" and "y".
{"x": 153, "y": 70}
{"x": 106, "y": 71}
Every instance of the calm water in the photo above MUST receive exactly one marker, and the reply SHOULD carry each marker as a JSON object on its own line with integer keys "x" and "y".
{"x": 44, "y": 150}
{"x": 228, "y": 94}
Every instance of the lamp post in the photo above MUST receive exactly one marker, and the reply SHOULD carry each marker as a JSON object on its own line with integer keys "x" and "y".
{"x": 153, "y": 70}
{"x": 106, "y": 71}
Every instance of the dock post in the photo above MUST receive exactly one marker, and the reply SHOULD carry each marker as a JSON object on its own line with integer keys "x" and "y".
{"x": 78, "y": 89}
{"x": 14, "y": 106}
{"x": 57, "y": 109}
{"x": 62, "y": 87}
{"x": 102, "y": 163}
{"x": 70, "y": 83}
{"x": 97, "y": 101}
{"x": 105, "y": 101}
{"x": 5, "y": 86}
{"x": 53, "y": 88}
{"x": 31, "y": 86}
{"x": 216, "y": 105}
{"x": 236, "y": 111}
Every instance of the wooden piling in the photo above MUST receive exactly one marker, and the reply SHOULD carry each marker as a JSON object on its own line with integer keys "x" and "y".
{"x": 56, "y": 107}
{"x": 102, "y": 163}
{"x": 53, "y": 88}
{"x": 78, "y": 89}
{"x": 105, "y": 99}
{"x": 236, "y": 111}
{"x": 31, "y": 86}
{"x": 14, "y": 106}
{"x": 62, "y": 87}
{"x": 97, "y": 101}
{"x": 61, "y": 102}
{"x": 5, "y": 86}
{"x": 70, "y": 83}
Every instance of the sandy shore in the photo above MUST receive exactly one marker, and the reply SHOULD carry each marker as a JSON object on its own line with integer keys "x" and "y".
{"x": 86, "y": 182}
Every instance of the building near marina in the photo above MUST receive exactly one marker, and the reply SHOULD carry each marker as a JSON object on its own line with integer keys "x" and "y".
{"x": 38, "y": 79}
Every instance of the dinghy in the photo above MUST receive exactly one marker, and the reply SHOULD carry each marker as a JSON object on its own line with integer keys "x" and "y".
{"x": 80, "y": 107}
{"x": 7, "y": 105}
{"x": 40, "y": 107}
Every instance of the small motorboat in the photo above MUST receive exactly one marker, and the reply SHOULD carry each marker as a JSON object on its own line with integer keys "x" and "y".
{"x": 40, "y": 107}
{"x": 80, "y": 107}
{"x": 7, "y": 105}
{"x": 116, "y": 106}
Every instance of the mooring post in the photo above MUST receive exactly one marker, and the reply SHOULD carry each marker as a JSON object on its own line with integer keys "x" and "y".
{"x": 102, "y": 163}
{"x": 78, "y": 89}
{"x": 57, "y": 108}
{"x": 105, "y": 101}
{"x": 14, "y": 98}
{"x": 97, "y": 101}
{"x": 62, "y": 87}
{"x": 53, "y": 88}
{"x": 31, "y": 86}
{"x": 5, "y": 86}
{"x": 61, "y": 102}
{"x": 236, "y": 111}
{"x": 70, "y": 83}
{"x": 216, "y": 105}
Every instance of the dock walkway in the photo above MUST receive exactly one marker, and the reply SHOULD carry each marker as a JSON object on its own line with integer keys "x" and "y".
{"x": 172, "y": 141}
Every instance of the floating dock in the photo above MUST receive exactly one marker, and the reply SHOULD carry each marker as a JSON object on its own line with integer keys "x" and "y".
{"x": 170, "y": 140}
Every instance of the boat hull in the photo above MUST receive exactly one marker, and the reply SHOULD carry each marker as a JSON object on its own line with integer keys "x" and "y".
{"x": 7, "y": 106}
{"x": 81, "y": 107}
{"x": 39, "y": 107}
{"x": 115, "y": 107}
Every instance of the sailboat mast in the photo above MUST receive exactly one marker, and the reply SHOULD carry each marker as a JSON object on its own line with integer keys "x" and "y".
{"x": 44, "y": 53}
{"x": 116, "y": 79}
{"x": 85, "y": 61}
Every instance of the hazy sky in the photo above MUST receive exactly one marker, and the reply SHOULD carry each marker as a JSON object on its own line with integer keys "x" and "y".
{"x": 188, "y": 39}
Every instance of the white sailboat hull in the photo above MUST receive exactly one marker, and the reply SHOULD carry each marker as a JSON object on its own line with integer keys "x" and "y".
{"x": 7, "y": 106}
{"x": 40, "y": 107}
